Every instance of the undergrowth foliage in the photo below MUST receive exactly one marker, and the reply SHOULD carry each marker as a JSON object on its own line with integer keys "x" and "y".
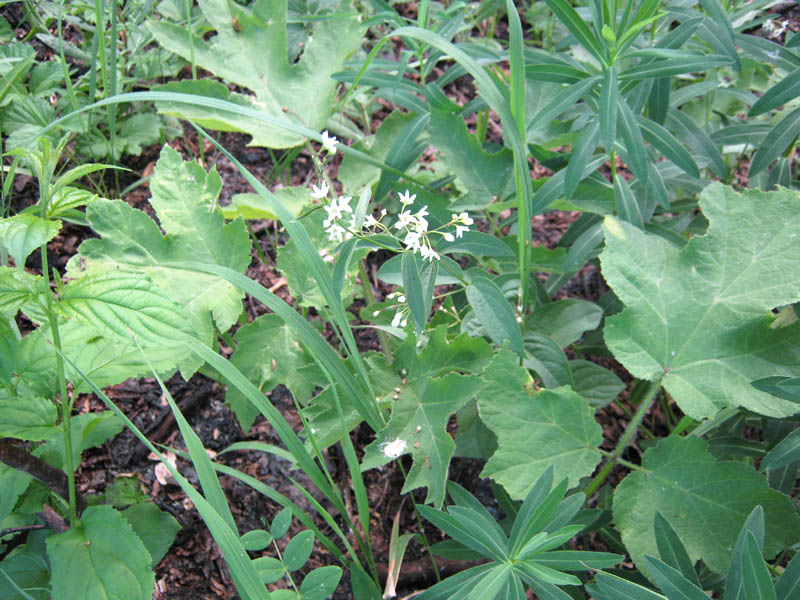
{"x": 644, "y": 114}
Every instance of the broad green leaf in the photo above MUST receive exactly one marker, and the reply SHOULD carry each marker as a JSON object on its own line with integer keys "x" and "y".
{"x": 29, "y": 571}
{"x": 125, "y": 304}
{"x": 320, "y": 583}
{"x": 476, "y": 243}
{"x": 256, "y": 540}
{"x": 547, "y": 359}
{"x": 17, "y": 288}
{"x": 100, "y": 558}
{"x": 784, "y": 453}
{"x": 494, "y": 313}
{"x": 268, "y": 354}
{"x": 680, "y": 479}
{"x": 269, "y": 569}
{"x": 12, "y": 485}
{"x": 775, "y": 142}
{"x": 67, "y": 198}
{"x": 253, "y": 206}
{"x": 595, "y": 384}
{"x": 280, "y": 524}
{"x": 565, "y": 321}
{"x": 418, "y": 426}
{"x": 154, "y": 527}
{"x": 298, "y": 550}
{"x": 535, "y": 430}
{"x": 697, "y": 316}
{"x": 250, "y": 49}
{"x": 30, "y": 418}
{"x": 23, "y": 233}
{"x": 483, "y": 175}
{"x": 184, "y": 198}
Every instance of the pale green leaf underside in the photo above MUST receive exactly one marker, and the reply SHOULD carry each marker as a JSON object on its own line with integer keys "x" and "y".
{"x": 701, "y": 315}
{"x": 253, "y": 54}
{"x": 552, "y": 427}
{"x": 101, "y": 558}
{"x": 705, "y": 501}
{"x": 23, "y": 233}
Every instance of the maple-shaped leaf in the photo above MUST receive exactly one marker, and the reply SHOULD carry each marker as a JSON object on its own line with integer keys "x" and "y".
{"x": 184, "y": 199}
{"x": 535, "y": 430}
{"x": 250, "y": 50}
{"x": 418, "y": 426}
{"x": 701, "y": 316}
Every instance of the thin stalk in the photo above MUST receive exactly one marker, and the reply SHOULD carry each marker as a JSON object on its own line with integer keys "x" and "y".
{"x": 424, "y": 537}
{"x": 188, "y": 5}
{"x": 112, "y": 108}
{"x": 259, "y": 250}
{"x": 647, "y": 391}
{"x": 383, "y": 339}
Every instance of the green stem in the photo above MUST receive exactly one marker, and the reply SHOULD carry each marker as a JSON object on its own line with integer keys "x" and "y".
{"x": 646, "y": 391}
{"x": 366, "y": 286}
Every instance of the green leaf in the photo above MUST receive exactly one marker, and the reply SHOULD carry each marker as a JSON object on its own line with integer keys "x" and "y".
{"x": 28, "y": 418}
{"x": 582, "y": 151}
{"x": 595, "y": 384}
{"x": 101, "y": 557}
{"x": 156, "y": 528}
{"x": 784, "y": 453}
{"x": 492, "y": 582}
{"x": 269, "y": 569}
{"x": 484, "y": 175}
{"x": 17, "y": 288}
{"x": 268, "y": 354}
{"x": 29, "y": 571}
{"x": 680, "y": 479}
{"x": 320, "y": 583}
{"x": 565, "y": 321}
{"x": 184, "y": 197}
{"x": 632, "y": 140}
{"x": 690, "y": 63}
{"x": 494, "y": 313}
{"x": 611, "y": 587}
{"x": 419, "y": 292}
{"x": 476, "y": 243}
{"x": 697, "y": 139}
{"x": 734, "y": 579}
{"x": 696, "y": 316}
{"x": 24, "y": 233}
{"x": 776, "y": 142}
{"x": 757, "y": 582}
{"x": 577, "y": 27}
{"x": 124, "y": 304}
{"x": 280, "y": 523}
{"x": 418, "y": 426}
{"x": 254, "y": 55}
{"x": 298, "y": 550}
{"x": 254, "y": 207}
{"x": 546, "y": 358}
{"x": 12, "y": 485}
{"x": 664, "y": 141}
{"x": 672, "y": 550}
{"x": 550, "y": 427}
{"x": 788, "y": 584}
{"x": 627, "y": 207}
{"x": 672, "y": 582}
{"x": 781, "y": 93}
{"x": 607, "y": 112}
{"x": 256, "y": 540}
{"x": 787, "y": 388}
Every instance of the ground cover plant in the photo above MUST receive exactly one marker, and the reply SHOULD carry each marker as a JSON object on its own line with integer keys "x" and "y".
{"x": 339, "y": 226}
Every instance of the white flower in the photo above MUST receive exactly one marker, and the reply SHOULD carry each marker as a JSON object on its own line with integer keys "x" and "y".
{"x": 319, "y": 192}
{"x": 462, "y": 218}
{"x": 394, "y": 449}
{"x": 406, "y": 198}
{"x": 421, "y": 223}
{"x": 335, "y": 210}
{"x": 329, "y": 142}
{"x": 412, "y": 241}
{"x": 398, "y": 316}
{"x": 335, "y": 232}
{"x": 460, "y": 229}
{"x": 401, "y": 299}
{"x": 404, "y": 219}
{"x": 375, "y": 313}
{"x": 370, "y": 221}
{"x": 429, "y": 253}
{"x": 449, "y": 237}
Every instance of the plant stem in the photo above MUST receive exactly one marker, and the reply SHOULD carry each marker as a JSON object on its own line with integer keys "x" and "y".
{"x": 366, "y": 286}
{"x": 646, "y": 390}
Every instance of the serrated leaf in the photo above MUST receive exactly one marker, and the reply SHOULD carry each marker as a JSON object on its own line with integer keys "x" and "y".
{"x": 680, "y": 479}
{"x": 268, "y": 354}
{"x": 24, "y": 233}
{"x": 550, "y": 427}
{"x": 419, "y": 420}
{"x": 154, "y": 527}
{"x": 101, "y": 557}
{"x": 122, "y": 304}
{"x": 484, "y": 175}
{"x": 250, "y": 49}
{"x": 30, "y": 418}
{"x": 184, "y": 197}
{"x": 697, "y": 315}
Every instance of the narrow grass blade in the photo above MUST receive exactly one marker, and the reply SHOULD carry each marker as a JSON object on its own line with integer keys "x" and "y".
{"x": 776, "y": 142}
{"x": 779, "y": 94}
{"x": 577, "y": 27}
